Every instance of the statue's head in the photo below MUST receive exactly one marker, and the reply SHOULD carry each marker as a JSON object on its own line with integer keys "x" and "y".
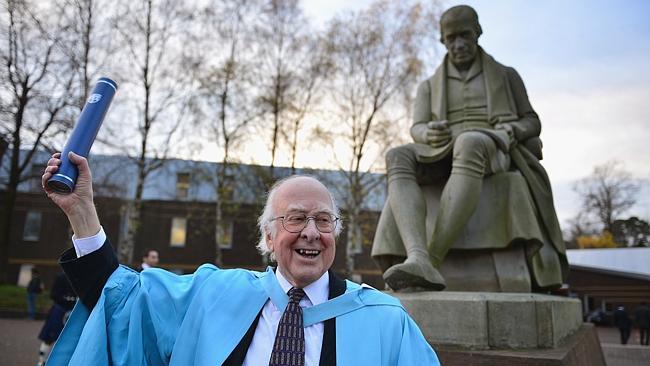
{"x": 459, "y": 32}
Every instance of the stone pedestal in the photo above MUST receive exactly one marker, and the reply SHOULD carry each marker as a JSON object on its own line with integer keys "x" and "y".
{"x": 467, "y": 327}
{"x": 580, "y": 349}
{"x": 492, "y": 270}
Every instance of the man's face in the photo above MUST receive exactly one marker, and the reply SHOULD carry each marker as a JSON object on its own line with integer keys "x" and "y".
{"x": 307, "y": 196}
{"x": 461, "y": 42}
{"x": 151, "y": 258}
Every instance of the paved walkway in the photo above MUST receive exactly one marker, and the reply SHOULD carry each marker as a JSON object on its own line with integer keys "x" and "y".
{"x": 617, "y": 354}
{"x": 18, "y": 342}
{"x": 19, "y": 345}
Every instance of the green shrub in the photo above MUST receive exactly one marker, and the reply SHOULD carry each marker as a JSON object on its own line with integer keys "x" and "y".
{"x": 15, "y": 298}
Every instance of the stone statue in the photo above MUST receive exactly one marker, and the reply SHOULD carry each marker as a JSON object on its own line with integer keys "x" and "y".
{"x": 472, "y": 178}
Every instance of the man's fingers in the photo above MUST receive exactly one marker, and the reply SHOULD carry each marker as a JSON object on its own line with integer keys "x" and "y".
{"x": 79, "y": 161}
{"x": 75, "y": 158}
{"x": 56, "y": 155}
{"x": 54, "y": 162}
{"x": 51, "y": 169}
{"x": 44, "y": 178}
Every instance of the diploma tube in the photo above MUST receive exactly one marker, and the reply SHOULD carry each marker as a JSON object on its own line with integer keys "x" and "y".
{"x": 83, "y": 135}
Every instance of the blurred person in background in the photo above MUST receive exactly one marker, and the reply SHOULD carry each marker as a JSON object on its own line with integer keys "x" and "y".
{"x": 149, "y": 259}
{"x": 642, "y": 319}
{"x": 623, "y": 323}
{"x": 64, "y": 299}
{"x": 34, "y": 288}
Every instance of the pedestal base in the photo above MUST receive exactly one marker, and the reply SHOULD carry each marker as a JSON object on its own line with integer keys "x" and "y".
{"x": 580, "y": 349}
{"x": 486, "y": 328}
{"x": 492, "y": 320}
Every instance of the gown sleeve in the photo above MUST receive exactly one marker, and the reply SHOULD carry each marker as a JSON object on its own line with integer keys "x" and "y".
{"x": 128, "y": 318}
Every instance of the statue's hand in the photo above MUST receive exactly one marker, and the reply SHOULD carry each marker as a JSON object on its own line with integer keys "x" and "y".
{"x": 438, "y": 133}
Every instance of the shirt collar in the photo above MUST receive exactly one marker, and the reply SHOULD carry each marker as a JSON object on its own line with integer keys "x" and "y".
{"x": 474, "y": 70}
{"x": 145, "y": 266}
{"x": 317, "y": 292}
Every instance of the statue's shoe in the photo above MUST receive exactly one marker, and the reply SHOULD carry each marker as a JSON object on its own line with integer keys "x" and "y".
{"x": 418, "y": 274}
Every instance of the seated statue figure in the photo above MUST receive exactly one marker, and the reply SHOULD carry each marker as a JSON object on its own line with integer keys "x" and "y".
{"x": 473, "y": 127}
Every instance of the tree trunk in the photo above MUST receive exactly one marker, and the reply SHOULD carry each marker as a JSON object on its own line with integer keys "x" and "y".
{"x": 6, "y": 217}
{"x": 127, "y": 245}
{"x": 134, "y": 208}
{"x": 4, "y": 144}
{"x": 354, "y": 239}
{"x": 219, "y": 227}
{"x": 10, "y": 198}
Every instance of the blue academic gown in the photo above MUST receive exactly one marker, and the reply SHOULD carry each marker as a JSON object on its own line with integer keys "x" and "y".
{"x": 159, "y": 318}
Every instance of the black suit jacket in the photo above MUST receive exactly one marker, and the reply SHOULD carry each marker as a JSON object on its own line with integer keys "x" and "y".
{"x": 89, "y": 273}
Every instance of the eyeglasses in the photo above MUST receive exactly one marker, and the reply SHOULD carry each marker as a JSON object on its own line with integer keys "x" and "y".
{"x": 295, "y": 223}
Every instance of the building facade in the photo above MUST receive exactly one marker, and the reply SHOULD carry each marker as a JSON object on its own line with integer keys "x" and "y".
{"x": 178, "y": 219}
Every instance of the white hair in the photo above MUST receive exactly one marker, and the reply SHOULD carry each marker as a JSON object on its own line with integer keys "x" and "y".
{"x": 268, "y": 214}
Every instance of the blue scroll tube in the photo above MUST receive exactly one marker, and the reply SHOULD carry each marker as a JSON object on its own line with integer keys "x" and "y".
{"x": 83, "y": 135}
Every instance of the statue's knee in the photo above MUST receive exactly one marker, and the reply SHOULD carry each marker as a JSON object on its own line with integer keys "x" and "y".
{"x": 400, "y": 163}
{"x": 471, "y": 145}
{"x": 471, "y": 141}
{"x": 399, "y": 156}
{"x": 471, "y": 153}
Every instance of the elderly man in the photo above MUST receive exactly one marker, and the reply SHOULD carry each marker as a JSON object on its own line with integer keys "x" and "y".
{"x": 472, "y": 119}
{"x": 296, "y": 314}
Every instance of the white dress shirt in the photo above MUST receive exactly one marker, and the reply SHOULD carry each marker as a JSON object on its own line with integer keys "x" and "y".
{"x": 259, "y": 352}
{"x": 260, "y": 349}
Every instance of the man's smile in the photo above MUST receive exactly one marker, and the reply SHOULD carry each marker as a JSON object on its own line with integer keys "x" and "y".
{"x": 309, "y": 253}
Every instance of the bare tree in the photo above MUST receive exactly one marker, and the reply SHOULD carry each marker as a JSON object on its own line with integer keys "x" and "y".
{"x": 579, "y": 226}
{"x": 222, "y": 65}
{"x": 607, "y": 193}
{"x": 378, "y": 57}
{"x": 35, "y": 85}
{"x": 89, "y": 42}
{"x": 292, "y": 65}
{"x": 148, "y": 31}
{"x": 309, "y": 80}
{"x": 80, "y": 14}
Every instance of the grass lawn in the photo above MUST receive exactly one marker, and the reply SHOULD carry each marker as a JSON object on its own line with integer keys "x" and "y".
{"x": 15, "y": 298}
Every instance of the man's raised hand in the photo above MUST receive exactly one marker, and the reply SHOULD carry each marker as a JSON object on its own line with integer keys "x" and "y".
{"x": 78, "y": 205}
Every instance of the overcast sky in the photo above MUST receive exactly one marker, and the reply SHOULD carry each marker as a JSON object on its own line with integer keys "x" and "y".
{"x": 585, "y": 65}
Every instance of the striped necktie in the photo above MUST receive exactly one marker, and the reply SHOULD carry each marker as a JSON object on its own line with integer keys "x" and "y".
{"x": 289, "y": 346}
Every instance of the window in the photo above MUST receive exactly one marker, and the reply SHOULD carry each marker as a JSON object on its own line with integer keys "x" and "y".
{"x": 32, "y": 229}
{"x": 224, "y": 234}
{"x": 25, "y": 274}
{"x": 182, "y": 185}
{"x": 178, "y": 232}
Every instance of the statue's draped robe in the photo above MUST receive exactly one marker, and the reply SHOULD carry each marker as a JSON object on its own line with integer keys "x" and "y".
{"x": 507, "y": 102}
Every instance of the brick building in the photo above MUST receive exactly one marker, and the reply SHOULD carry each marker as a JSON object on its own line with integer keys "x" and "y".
{"x": 606, "y": 278}
{"x": 178, "y": 217}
